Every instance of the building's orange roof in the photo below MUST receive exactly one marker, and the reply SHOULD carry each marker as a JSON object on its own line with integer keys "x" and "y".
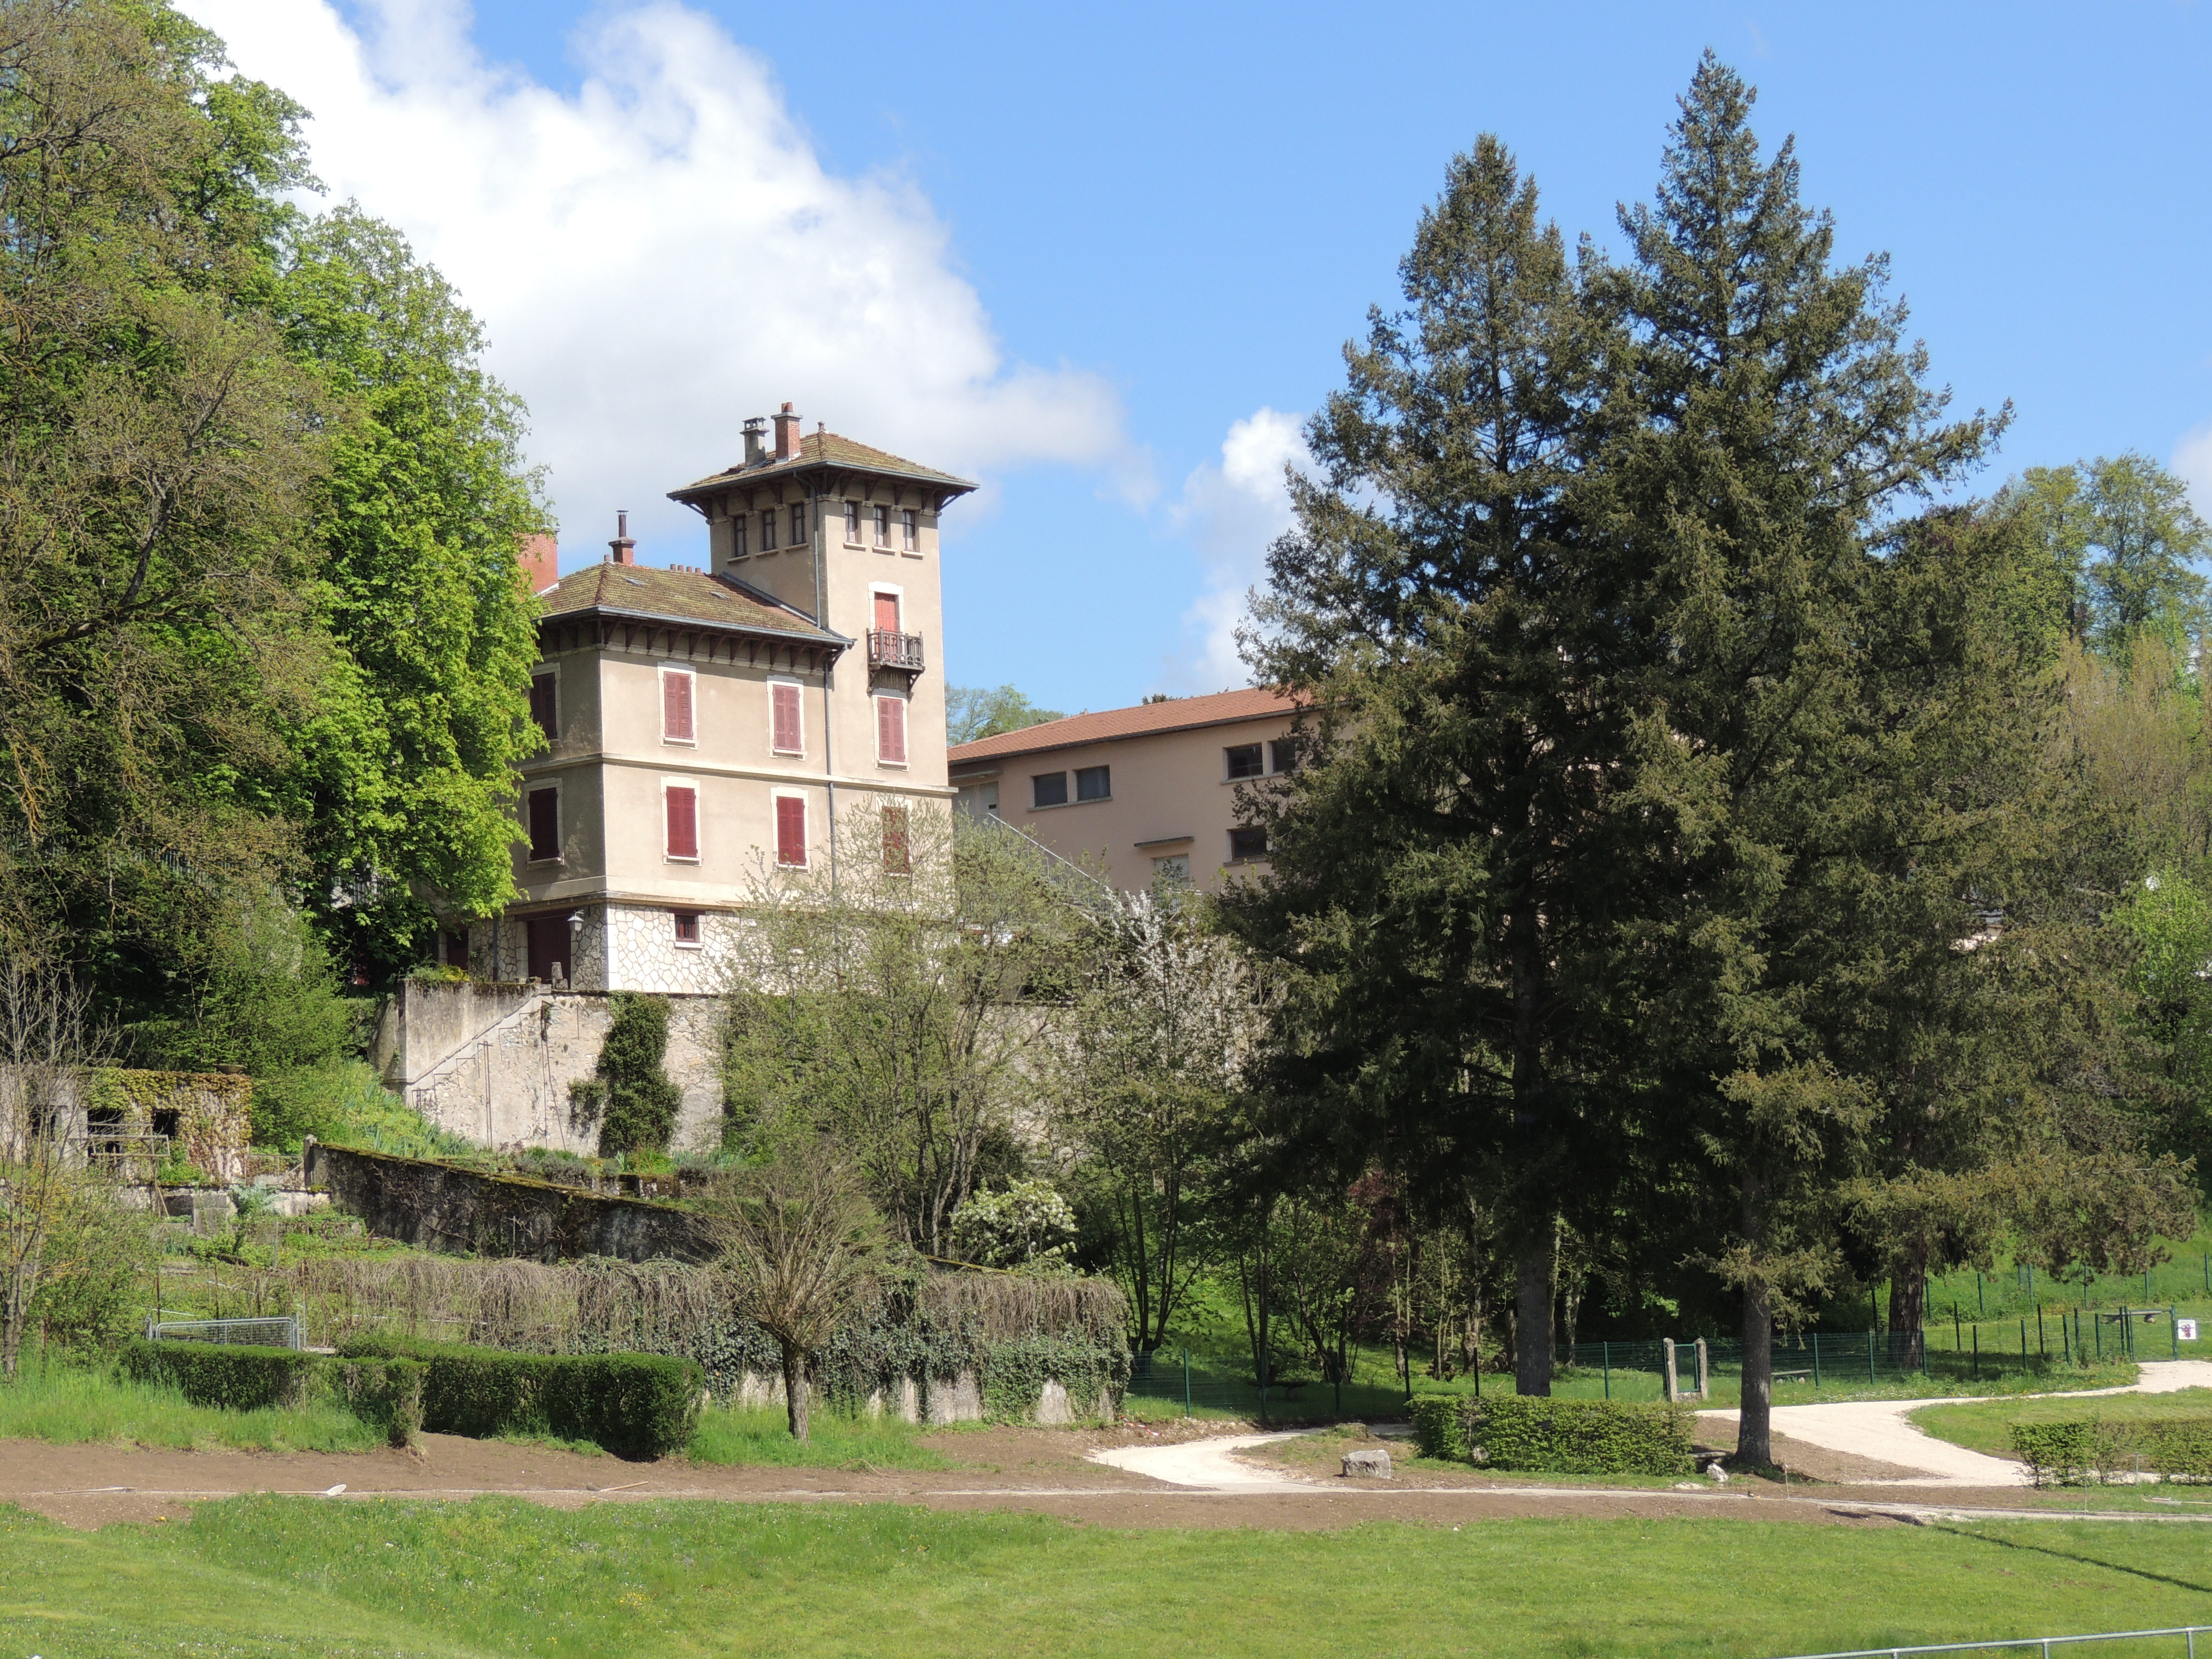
{"x": 1177, "y": 714}
{"x": 823, "y": 449}
{"x": 659, "y": 592}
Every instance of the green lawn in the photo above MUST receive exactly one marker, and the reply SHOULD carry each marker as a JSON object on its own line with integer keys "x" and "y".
{"x": 273, "y": 1575}
{"x": 64, "y": 1405}
{"x": 1988, "y": 1428}
{"x": 763, "y": 1436}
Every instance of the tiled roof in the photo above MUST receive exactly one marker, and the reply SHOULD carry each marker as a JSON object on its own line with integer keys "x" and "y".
{"x": 644, "y": 590}
{"x": 1179, "y": 713}
{"x": 819, "y": 449}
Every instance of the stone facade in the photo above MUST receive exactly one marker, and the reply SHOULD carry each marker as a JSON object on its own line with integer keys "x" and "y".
{"x": 627, "y": 947}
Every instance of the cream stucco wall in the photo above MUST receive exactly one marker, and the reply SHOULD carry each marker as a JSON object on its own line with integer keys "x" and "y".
{"x": 1172, "y": 796}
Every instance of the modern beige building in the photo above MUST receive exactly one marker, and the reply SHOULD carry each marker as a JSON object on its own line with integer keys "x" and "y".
{"x": 708, "y": 726}
{"x": 1139, "y": 793}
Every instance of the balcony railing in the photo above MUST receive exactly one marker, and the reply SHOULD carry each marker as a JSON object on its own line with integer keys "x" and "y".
{"x": 889, "y": 650}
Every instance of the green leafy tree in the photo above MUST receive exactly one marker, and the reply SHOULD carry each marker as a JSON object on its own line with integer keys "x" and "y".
{"x": 1447, "y": 862}
{"x": 973, "y": 713}
{"x": 410, "y": 758}
{"x": 1024, "y": 1224}
{"x": 2122, "y": 531}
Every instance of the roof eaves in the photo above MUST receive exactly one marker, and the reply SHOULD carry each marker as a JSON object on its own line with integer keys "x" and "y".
{"x": 811, "y": 635}
{"x": 1121, "y": 737}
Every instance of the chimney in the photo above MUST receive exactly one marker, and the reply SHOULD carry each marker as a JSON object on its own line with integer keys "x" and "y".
{"x": 786, "y": 434}
{"x": 541, "y": 560}
{"x": 756, "y": 440}
{"x": 625, "y": 550}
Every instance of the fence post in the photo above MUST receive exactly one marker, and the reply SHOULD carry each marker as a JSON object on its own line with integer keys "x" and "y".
{"x": 2173, "y": 1328}
{"x": 1981, "y": 1300}
{"x": 1816, "y": 1362}
{"x": 1605, "y": 1357}
{"x": 1977, "y": 1353}
{"x": 2023, "y": 1342}
{"x": 1186, "y": 1381}
{"x": 1871, "y": 1353}
{"x": 1705, "y": 1372}
{"x": 1667, "y": 1367}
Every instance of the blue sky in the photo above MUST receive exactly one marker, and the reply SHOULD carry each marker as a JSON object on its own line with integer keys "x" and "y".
{"x": 1165, "y": 222}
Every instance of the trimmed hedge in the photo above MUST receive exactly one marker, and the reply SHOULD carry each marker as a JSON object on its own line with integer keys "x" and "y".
{"x": 1577, "y": 1437}
{"x": 635, "y": 1405}
{"x": 232, "y": 1375}
{"x": 2177, "y": 1447}
{"x": 387, "y": 1393}
{"x": 1439, "y": 1427}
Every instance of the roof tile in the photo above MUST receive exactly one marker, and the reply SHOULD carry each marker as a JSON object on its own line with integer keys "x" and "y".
{"x": 647, "y": 590}
{"x": 1177, "y": 714}
{"x": 821, "y": 449}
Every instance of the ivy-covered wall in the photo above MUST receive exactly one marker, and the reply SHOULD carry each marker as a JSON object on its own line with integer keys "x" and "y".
{"x": 208, "y": 1116}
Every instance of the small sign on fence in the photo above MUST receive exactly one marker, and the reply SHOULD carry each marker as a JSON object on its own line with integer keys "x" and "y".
{"x": 2184, "y": 1330}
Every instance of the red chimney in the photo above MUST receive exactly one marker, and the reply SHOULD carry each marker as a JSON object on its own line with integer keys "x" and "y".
{"x": 541, "y": 560}
{"x": 786, "y": 434}
{"x": 625, "y": 550}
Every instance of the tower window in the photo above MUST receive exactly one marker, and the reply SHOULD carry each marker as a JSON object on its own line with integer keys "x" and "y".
{"x": 853, "y": 524}
{"x": 910, "y": 530}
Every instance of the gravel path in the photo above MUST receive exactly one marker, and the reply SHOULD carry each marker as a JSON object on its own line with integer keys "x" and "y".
{"x": 1882, "y": 1429}
{"x": 1212, "y": 1465}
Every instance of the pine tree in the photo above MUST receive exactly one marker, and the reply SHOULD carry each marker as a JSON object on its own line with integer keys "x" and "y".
{"x": 1446, "y": 861}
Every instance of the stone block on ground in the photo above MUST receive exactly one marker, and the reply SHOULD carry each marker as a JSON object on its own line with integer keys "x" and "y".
{"x": 1375, "y": 1465}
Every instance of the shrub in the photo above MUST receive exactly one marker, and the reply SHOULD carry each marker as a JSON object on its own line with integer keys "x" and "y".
{"x": 385, "y": 1393}
{"x": 1439, "y": 1426}
{"x": 232, "y": 1375}
{"x": 641, "y": 1102}
{"x": 635, "y": 1405}
{"x": 2179, "y": 1448}
{"x": 1027, "y": 1225}
{"x": 1577, "y": 1437}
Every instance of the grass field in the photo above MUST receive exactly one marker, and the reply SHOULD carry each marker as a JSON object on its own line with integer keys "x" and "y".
{"x": 763, "y": 1437}
{"x": 1988, "y": 1427}
{"x": 269, "y": 1575}
{"x": 65, "y": 1404}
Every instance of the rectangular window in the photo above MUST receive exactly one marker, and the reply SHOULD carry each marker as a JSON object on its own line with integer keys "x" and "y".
{"x": 787, "y": 732}
{"x": 1094, "y": 783}
{"x": 1282, "y": 755}
{"x": 544, "y": 825}
{"x": 791, "y": 831}
{"x": 898, "y": 849}
{"x": 737, "y": 535}
{"x": 1245, "y": 760}
{"x": 887, "y": 612}
{"x": 1049, "y": 789}
{"x": 1175, "y": 867}
{"x": 910, "y": 531}
{"x": 767, "y": 530}
{"x": 545, "y": 703}
{"x": 883, "y": 526}
{"x": 797, "y": 537}
{"x": 457, "y": 950}
{"x": 676, "y": 726}
{"x": 891, "y": 730}
{"x": 687, "y": 926}
{"x": 682, "y": 801}
{"x": 852, "y": 523}
{"x": 1247, "y": 841}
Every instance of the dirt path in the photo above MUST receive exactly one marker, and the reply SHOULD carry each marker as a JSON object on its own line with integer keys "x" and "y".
{"x": 1212, "y": 1465}
{"x": 1882, "y": 1430}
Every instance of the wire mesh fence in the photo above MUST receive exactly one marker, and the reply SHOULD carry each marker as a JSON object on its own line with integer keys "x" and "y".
{"x": 281, "y": 1332}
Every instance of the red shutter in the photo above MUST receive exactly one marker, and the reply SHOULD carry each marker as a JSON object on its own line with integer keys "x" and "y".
{"x": 791, "y": 830}
{"x": 682, "y": 822}
{"x": 887, "y": 617}
{"x": 544, "y": 824}
{"x": 891, "y": 730}
{"x": 783, "y": 697}
{"x": 676, "y": 706}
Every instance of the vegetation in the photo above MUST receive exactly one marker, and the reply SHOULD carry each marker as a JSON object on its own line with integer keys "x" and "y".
{"x": 63, "y": 1403}
{"x": 634, "y": 1097}
{"x": 1986, "y": 1426}
{"x": 761, "y": 1435}
{"x": 972, "y": 714}
{"x": 501, "y": 1576}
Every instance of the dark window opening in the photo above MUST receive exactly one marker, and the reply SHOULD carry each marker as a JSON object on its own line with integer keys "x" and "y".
{"x": 1282, "y": 755}
{"x": 457, "y": 950}
{"x": 687, "y": 926}
{"x": 1094, "y": 783}
{"x": 1049, "y": 789}
{"x": 1248, "y": 842}
{"x": 545, "y": 703}
{"x": 1245, "y": 761}
{"x": 544, "y": 825}
{"x": 166, "y": 1121}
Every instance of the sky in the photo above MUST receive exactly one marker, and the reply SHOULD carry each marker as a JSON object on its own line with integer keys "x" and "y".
{"x": 1104, "y": 260}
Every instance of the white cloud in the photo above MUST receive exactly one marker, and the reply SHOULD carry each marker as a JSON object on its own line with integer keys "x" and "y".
{"x": 1234, "y": 512}
{"x": 661, "y": 254}
{"x": 2192, "y": 459}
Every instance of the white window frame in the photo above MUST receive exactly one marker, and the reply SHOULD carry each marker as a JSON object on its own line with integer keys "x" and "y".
{"x": 698, "y": 822}
{"x": 852, "y": 523}
{"x": 897, "y": 591}
{"x": 698, "y": 920}
{"x": 775, "y": 827}
{"x": 669, "y": 671}
{"x": 798, "y": 524}
{"x": 906, "y": 726}
{"x": 798, "y": 686}
{"x": 880, "y": 513}
{"x": 769, "y": 539}
{"x": 910, "y": 530}
{"x": 560, "y": 823}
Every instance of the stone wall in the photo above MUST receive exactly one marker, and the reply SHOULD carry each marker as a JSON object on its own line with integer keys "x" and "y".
{"x": 620, "y": 947}
{"x": 422, "y": 1202}
{"x": 493, "y": 1063}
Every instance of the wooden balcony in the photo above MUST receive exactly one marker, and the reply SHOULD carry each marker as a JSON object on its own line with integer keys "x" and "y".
{"x": 888, "y": 650}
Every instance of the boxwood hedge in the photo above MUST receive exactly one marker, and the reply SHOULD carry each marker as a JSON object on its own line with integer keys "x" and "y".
{"x": 2083, "y": 1449}
{"x": 1439, "y": 1428}
{"x": 234, "y": 1376}
{"x": 1576, "y": 1437}
{"x": 635, "y": 1405}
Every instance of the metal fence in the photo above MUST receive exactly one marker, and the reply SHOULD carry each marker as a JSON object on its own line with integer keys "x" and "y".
{"x": 281, "y": 1332}
{"x": 2186, "y": 1633}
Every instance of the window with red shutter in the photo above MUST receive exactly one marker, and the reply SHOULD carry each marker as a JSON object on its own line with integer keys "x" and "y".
{"x": 788, "y": 737}
{"x": 791, "y": 830}
{"x": 683, "y": 804}
{"x": 544, "y": 825}
{"x": 891, "y": 730}
{"x": 544, "y": 704}
{"x": 676, "y": 705}
{"x": 887, "y": 612}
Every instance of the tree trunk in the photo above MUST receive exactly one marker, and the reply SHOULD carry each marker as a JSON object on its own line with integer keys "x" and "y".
{"x": 1754, "y": 1438}
{"x": 1532, "y": 1322}
{"x": 1908, "y": 1283}
{"x": 794, "y": 1389}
